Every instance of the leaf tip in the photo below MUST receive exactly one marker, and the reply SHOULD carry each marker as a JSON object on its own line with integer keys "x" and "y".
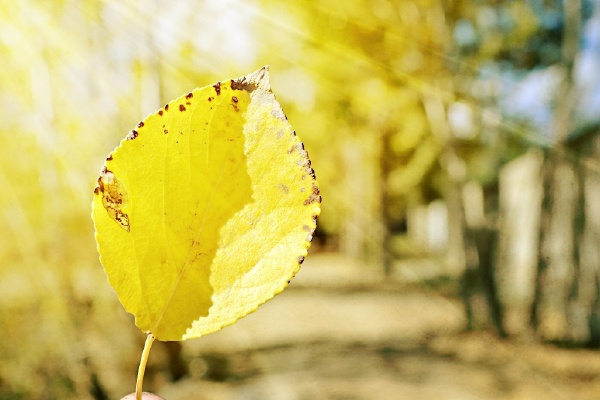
{"x": 258, "y": 79}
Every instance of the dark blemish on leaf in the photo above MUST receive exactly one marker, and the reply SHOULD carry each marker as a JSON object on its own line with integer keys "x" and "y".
{"x": 132, "y": 135}
{"x": 160, "y": 112}
{"x": 238, "y": 85}
{"x": 189, "y": 95}
{"x": 99, "y": 185}
{"x": 166, "y": 107}
{"x": 210, "y": 98}
{"x": 109, "y": 158}
{"x": 181, "y": 107}
{"x": 165, "y": 131}
{"x": 235, "y": 99}
{"x": 242, "y": 84}
{"x": 307, "y": 166}
{"x": 188, "y": 103}
{"x": 314, "y": 197}
{"x": 114, "y": 197}
{"x": 300, "y": 260}
{"x": 122, "y": 219}
{"x": 140, "y": 124}
{"x": 217, "y": 87}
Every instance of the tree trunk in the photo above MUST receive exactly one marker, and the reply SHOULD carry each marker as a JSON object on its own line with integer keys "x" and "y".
{"x": 520, "y": 191}
{"x": 556, "y": 283}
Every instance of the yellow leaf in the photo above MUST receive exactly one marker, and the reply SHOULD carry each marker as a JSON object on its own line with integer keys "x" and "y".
{"x": 206, "y": 209}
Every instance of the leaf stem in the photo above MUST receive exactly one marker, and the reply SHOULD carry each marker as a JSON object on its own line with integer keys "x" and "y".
{"x": 142, "y": 368}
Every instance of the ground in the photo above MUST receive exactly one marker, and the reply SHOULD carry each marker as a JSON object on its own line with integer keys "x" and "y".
{"x": 340, "y": 332}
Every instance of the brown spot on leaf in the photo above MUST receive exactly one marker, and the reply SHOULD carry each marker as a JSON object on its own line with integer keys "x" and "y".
{"x": 99, "y": 185}
{"x": 140, "y": 124}
{"x": 160, "y": 112}
{"x": 189, "y": 95}
{"x": 132, "y": 135}
{"x": 109, "y": 158}
{"x": 300, "y": 260}
{"x": 217, "y": 87}
{"x": 165, "y": 131}
{"x": 210, "y": 98}
{"x": 315, "y": 196}
{"x": 114, "y": 197}
{"x": 242, "y": 84}
{"x": 238, "y": 84}
{"x": 235, "y": 99}
{"x": 181, "y": 107}
{"x": 166, "y": 107}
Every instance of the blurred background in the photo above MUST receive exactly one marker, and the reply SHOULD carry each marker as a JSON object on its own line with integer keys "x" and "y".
{"x": 457, "y": 148}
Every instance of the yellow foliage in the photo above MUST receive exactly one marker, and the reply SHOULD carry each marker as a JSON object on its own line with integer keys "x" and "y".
{"x": 206, "y": 209}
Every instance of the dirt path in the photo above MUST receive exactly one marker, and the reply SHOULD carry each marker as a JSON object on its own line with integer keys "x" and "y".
{"x": 337, "y": 334}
